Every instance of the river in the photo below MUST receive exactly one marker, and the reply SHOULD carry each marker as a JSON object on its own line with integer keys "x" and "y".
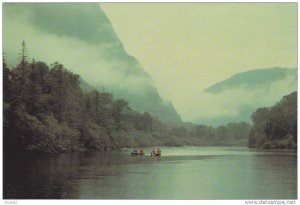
{"x": 180, "y": 173}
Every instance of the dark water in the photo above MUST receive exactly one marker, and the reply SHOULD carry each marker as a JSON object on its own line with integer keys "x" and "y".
{"x": 180, "y": 173}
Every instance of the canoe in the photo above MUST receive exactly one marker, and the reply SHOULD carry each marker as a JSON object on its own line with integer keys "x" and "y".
{"x": 135, "y": 152}
{"x": 155, "y": 154}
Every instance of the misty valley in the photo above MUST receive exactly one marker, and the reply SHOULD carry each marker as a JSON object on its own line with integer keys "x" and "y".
{"x": 47, "y": 111}
{"x": 75, "y": 109}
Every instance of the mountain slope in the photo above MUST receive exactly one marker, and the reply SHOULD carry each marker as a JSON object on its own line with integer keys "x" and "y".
{"x": 251, "y": 79}
{"x": 237, "y": 97}
{"x": 81, "y": 37}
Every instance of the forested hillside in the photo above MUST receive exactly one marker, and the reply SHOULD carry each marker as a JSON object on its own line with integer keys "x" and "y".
{"x": 275, "y": 127}
{"x": 46, "y": 110}
{"x": 81, "y": 36}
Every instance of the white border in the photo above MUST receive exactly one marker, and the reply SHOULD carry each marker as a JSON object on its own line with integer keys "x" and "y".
{"x": 131, "y": 202}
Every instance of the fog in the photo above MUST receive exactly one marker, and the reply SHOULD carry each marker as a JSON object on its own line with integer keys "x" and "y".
{"x": 96, "y": 63}
{"x": 188, "y": 47}
{"x": 101, "y": 60}
{"x": 237, "y": 103}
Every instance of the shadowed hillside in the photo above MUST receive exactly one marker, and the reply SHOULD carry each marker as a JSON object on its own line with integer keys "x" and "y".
{"x": 81, "y": 36}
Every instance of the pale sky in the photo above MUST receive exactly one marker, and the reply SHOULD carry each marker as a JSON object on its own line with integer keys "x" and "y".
{"x": 188, "y": 47}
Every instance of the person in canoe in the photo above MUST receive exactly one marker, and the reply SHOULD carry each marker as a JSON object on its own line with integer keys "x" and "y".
{"x": 158, "y": 152}
{"x": 153, "y": 153}
{"x": 142, "y": 151}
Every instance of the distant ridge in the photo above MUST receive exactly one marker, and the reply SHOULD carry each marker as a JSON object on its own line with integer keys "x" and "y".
{"x": 252, "y": 78}
{"x": 245, "y": 92}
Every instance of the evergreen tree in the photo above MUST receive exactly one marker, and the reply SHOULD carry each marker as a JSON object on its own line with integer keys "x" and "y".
{"x": 23, "y": 54}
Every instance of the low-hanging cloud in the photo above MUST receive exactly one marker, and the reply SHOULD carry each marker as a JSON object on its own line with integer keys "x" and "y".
{"x": 237, "y": 103}
{"x": 106, "y": 64}
{"x": 80, "y": 36}
{"x": 95, "y": 63}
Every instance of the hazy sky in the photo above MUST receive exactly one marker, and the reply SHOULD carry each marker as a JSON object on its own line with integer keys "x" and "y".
{"x": 184, "y": 47}
{"x": 188, "y": 47}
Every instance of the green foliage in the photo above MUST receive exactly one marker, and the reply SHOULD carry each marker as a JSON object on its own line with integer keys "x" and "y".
{"x": 232, "y": 134}
{"x": 275, "y": 127}
{"x": 45, "y": 110}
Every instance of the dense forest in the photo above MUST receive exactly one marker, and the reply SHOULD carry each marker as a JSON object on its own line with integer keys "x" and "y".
{"x": 275, "y": 127}
{"x": 46, "y": 110}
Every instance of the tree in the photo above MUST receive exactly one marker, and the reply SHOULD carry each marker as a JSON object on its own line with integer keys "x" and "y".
{"x": 275, "y": 127}
{"x": 6, "y": 81}
{"x": 119, "y": 107}
{"x": 23, "y": 54}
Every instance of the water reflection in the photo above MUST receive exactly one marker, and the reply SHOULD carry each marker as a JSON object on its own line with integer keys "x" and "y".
{"x": 180, "y": 173}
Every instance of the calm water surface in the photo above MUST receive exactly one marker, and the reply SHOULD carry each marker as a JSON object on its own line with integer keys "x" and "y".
{"x": 180, "y": 173}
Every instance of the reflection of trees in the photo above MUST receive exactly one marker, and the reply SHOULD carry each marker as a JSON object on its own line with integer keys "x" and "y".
{"x": 69, "y": 175}
{"x": 39, "y": 177}
{"x": 275, "y": 174}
